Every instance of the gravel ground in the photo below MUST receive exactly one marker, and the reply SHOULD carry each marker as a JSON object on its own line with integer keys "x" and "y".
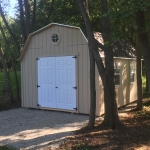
{"x": 36, "y": 129}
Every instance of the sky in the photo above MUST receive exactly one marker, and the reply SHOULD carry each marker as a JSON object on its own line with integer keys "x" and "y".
{"x": 11, "y": 9}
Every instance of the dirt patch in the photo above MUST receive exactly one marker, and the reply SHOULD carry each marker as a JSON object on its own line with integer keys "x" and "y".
{"x": 136, "y": 135}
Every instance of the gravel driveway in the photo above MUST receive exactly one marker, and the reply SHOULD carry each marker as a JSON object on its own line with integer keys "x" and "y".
{"x": 36, "y": 129}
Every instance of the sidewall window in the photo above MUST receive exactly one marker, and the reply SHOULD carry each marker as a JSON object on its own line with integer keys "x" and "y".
{"x": 117, "y": 73}
{"x": 132, "y": 72}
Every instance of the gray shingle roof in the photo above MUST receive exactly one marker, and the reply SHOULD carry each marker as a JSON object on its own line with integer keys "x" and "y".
{"x": 121, "y": 48}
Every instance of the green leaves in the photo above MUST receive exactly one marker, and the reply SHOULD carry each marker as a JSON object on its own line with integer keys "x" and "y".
{"x": 121, "y": 13}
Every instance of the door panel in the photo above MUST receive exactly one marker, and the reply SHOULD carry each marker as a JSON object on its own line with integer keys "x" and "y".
{"x": 46, "y": 81}
{"x": 57, "y": 79}
{"x": 65, "y": 81}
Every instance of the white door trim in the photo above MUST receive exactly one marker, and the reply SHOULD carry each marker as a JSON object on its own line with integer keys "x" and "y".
{"x": 75, "y": 83}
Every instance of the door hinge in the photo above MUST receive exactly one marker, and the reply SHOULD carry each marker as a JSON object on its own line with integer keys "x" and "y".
{"x": 75, "y": 87}
{"x": 38, "y": 86}
{"x": 75, "y": 108}
{"x": 38, "y": 105}
{"x": 74, "y": 57}
{"x": 37, "y": 58}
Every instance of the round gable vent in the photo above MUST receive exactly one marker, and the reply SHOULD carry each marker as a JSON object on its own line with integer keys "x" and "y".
{"x": 55, "y": 38}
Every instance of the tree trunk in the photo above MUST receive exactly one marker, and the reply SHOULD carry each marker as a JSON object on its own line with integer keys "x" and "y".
{"x": 92, "y": 93}
{"x": 143, "y": 40}
{"x": 13, "y": 64}
{"x": 92, "y": 83}
{"x": 111, "y": 118}
{"x": 34, "y": 16}
{"x": 6, "y": 72}
{"x": 27, "y": 14}
{"x": 86, "y": 6}
{"x": 139, "y": 78}
{"x": 22, "y": 23}
{"x": 91, "y": 41}
{"x": 50, "y": 11}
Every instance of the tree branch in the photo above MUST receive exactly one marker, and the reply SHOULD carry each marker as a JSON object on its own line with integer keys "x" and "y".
{"x": 9, "y": 29}
{"x": 50, "y": 12}
{"x": 91, "y": 41}
{"x": 34, "y": 16}
{"x": 27, "y": 14}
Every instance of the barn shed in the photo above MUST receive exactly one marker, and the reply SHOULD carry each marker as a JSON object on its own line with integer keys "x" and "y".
{"x": 55, "y": 71}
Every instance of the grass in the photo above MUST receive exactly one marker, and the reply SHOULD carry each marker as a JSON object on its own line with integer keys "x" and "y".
{"x": 12, "y": 80}
{"x": 6, "y": 148}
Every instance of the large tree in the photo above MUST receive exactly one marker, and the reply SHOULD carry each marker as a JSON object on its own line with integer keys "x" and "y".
{"x": 92, "y": 82}
{"x": 111, "y": 118}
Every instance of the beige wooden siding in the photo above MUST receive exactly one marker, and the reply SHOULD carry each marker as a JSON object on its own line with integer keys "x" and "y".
{"x": 125, "y": 92}
{"x": 99, "y": 93}
{"x": 85, "y": 80}
{"x": 133, "y": 86}
{"x": 124, "y": 83}
{"x": 65, "y": 40}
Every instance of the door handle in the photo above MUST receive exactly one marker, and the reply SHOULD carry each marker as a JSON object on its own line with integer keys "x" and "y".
{"x": 56, "y": 87}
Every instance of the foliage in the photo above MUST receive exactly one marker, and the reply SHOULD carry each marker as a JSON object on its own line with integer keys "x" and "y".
{"x": 67, "y": 12}
{"x": 121, "y": 13}
{"x": 12, "y": 80}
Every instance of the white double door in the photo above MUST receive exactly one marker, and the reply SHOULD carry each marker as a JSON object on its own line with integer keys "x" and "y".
{"x": 57, "y": 82}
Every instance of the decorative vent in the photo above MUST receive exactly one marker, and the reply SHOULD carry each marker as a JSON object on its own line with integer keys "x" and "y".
{"x": 55, "y": 38}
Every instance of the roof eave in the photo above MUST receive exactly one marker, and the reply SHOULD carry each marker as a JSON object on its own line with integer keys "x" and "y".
{"x": 25, "y": 46}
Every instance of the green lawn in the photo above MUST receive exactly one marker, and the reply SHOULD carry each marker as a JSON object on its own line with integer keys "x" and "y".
{"x": 12, "y": 80}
